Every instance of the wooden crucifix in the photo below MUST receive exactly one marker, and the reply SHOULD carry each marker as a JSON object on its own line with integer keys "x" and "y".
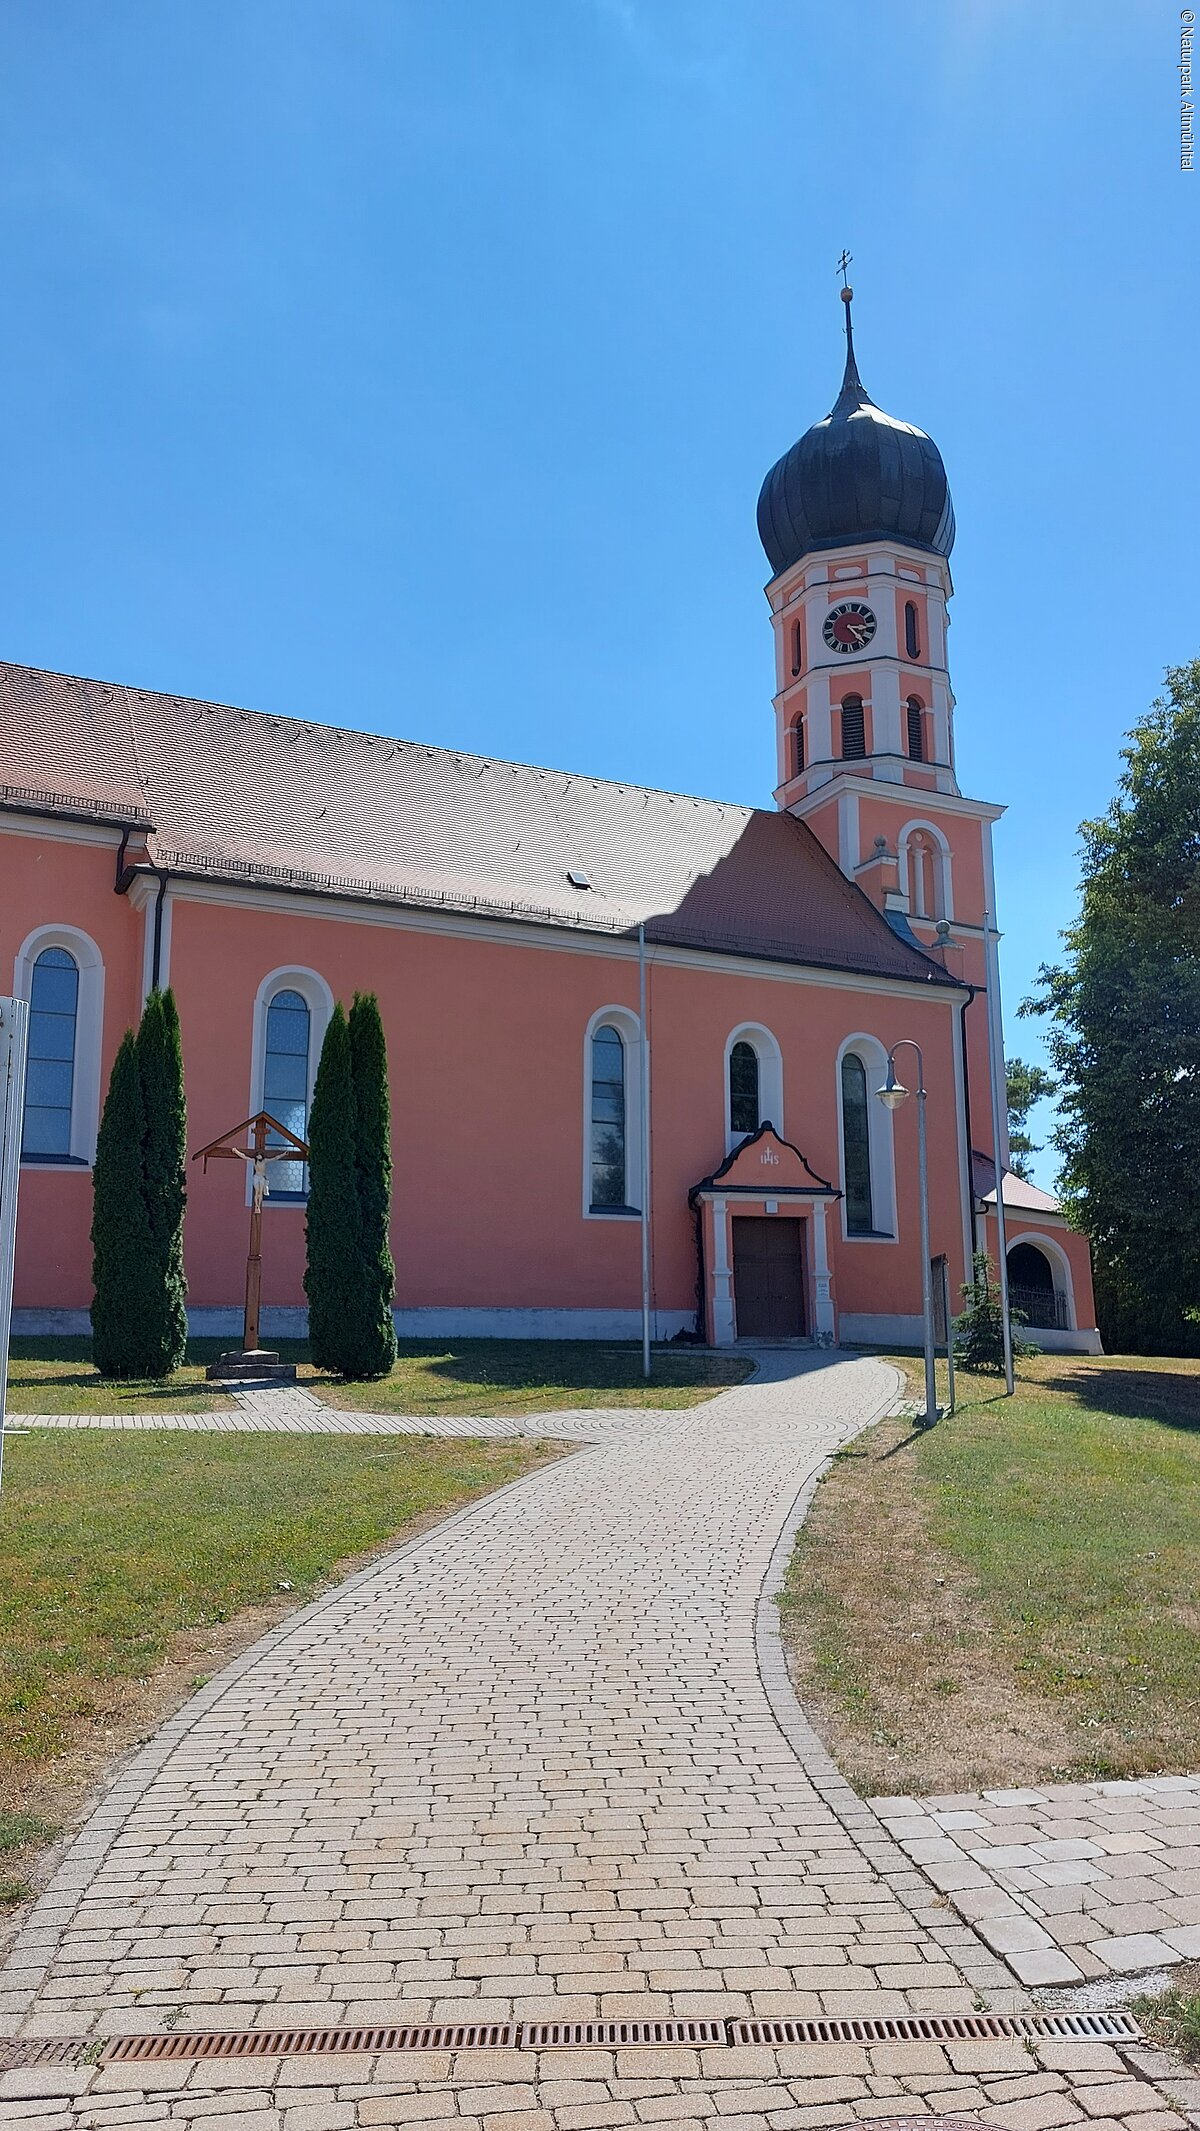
{"x": 248, "y": 1142}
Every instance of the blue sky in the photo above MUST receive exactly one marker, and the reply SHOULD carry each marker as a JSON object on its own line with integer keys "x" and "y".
{"x": 414, "y": 364}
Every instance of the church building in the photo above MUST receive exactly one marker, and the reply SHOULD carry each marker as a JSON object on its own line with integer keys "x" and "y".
{"x": 636, "y": 1038}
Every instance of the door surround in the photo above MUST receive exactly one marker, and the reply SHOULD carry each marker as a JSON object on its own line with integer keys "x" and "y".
{"x": 768, "y": 1177}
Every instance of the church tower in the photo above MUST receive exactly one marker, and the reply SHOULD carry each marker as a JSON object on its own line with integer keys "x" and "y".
{"x": 857, "y": 524}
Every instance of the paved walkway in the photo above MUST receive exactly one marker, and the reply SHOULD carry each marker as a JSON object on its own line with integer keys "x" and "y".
{"x": 1070, "y": 1882}
{"x": 540, "y": 1762}
{"x": 290, "y": 1409}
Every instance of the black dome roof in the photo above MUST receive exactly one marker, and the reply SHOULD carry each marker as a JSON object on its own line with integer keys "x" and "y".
{"x": 858, "y": 475}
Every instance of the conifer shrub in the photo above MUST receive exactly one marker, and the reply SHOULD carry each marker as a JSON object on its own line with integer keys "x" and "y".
{"x": 979, "y": 1331}
{"x": 164, "y": 1175}
{"x": 332, "y": 1271}
{"x": 124, "y": 1314}
{"x": 374, "y": 1328}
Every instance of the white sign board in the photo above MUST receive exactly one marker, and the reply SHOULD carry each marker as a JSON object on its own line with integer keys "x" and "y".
{"x": 14, "y": 1035}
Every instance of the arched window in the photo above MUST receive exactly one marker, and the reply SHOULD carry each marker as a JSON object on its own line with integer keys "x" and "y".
{"x": 912, "y": 630}
{"x": 744, "y": 1113}
{"x": 795, "y": 649}
{"x": 854, "y": 729}
{"x": 920, "y": 873}
{"x": 50, "y": 1064}
{"x": 914, "y": 713}
{"x": 286, "y": 1082}
{"x": 612, "y": 1139}
{"x": 925, "y": 870}
{"x": 856, "y": 1146}
{"x": 797, "y": 747}
{"x": 610, "y": 1125}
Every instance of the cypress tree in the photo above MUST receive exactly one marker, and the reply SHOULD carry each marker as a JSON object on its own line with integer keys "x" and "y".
{"x": 332, "y": 1272}
{"x": 124, "y": 1342}
{"x": 374, "y": 1341}
{"x": 160, "y": 1064}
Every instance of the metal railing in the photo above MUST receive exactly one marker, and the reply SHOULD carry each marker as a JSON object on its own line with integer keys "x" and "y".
{"x": 1043, "y": 1309}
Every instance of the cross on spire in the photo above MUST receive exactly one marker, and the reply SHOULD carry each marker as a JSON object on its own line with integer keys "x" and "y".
{"x": 852, "y": 393}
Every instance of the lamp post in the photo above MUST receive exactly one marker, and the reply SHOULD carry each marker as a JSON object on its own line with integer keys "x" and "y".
{"x": 893, "y": 1094}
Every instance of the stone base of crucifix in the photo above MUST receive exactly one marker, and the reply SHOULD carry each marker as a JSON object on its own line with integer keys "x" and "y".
{"x": 252, "y": 1365}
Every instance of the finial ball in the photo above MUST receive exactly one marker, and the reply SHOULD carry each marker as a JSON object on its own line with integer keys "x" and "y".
{"x": 846, "y": 294}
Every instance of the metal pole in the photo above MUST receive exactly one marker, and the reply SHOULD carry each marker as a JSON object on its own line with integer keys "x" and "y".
{"x": 14, "y": 1031}
{"x": 949, "y": 1329}
{"x": 999, "y": 1097}
{"x": 931, "y": 1412}
{"x": 645, "y": 1135}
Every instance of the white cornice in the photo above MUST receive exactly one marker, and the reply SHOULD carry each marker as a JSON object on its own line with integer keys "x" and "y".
{"x": 509, "y": 933}
{"x": 902, "y": 794}
{"x": 67, "y": 832}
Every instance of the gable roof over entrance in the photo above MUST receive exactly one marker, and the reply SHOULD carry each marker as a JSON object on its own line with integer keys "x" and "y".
{"x": 241, "y": 796}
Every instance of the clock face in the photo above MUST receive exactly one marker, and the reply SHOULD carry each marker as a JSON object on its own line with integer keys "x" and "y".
{"x": 849, "y": 627}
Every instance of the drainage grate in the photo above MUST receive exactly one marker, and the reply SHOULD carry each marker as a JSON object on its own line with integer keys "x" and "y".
{"x": 42, "y": 2049}
{"x": 576, "y": 2034}
{"x": 619, "y": 2034}
{"x": 943, "y": 2027}
{"x": 307, "y": 2041}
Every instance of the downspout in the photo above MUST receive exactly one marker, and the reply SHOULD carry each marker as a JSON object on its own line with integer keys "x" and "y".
{"x": 162, "y": 877}
{"x": 969, "y": 1180}
{"x": 701, "y": 1278}
{"x": 125, "y": 877}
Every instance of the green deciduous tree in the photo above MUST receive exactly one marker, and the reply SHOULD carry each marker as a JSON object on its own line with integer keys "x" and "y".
{"x": 1026, "y": 1085}
{"x": 164, "y": 1173}
{"x": 375, "y": 1325}
{"x": 1124, "y": 1008}
{"x": 331, "y": 1271}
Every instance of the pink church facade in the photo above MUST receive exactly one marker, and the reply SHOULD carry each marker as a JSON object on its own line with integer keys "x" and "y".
{"x": 587, "y": 988}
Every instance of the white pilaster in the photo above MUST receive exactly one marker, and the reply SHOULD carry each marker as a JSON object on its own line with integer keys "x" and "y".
{"x": 823, "y": 1325}
{"x": 723, "y": 1325}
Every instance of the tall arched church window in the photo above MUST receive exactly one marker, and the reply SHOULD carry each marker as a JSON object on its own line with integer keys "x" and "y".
{"x": 286, "y": 1080}
{"x": 914, "y": 711}
{"x": 854, "y": 729}
{"x": 912, "y": 629}
{"x": 797, "y": 747}
{"x": 795, "y": 649}
{"x": 856, "y": 1146}
{"x": 609, "y": 1149}
{"x": 50, "y": 1065}
{"x": 744, "y": 1107}
{"x": 920, "y": 864}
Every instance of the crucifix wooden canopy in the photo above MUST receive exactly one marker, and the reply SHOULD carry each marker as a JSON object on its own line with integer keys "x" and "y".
{"x": 258, "y": 1126}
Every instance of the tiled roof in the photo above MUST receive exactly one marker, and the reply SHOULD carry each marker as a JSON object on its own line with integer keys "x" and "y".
{"x": 1028, "y": 1198}
{"x": 241, "y": 795}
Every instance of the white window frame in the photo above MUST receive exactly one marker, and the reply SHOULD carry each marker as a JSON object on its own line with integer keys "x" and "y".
{"x": 89, "y": 1034}
{"x": 629, "y": 1029}
{"x": 1059, "y": 1264}
{"x": 318, "y": 998}
{"x": 942, "y": 870}
{"x": 886, "y": 1228}
{"x": 770, "y": 1079}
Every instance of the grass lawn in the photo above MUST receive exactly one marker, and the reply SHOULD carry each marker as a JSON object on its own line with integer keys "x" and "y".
{"x": 498, "y": 1376}
{"x": 453, "y": 1377}
{"x": 57, "y": 1376}
{"x": 132, "y": 1565}
{"x": 1011, "y": 1596}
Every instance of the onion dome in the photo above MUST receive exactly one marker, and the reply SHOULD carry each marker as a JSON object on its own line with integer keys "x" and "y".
{"x": 859, "y": 475}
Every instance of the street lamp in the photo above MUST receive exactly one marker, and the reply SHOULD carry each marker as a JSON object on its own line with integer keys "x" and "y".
{"x": 893, "y": 1094}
